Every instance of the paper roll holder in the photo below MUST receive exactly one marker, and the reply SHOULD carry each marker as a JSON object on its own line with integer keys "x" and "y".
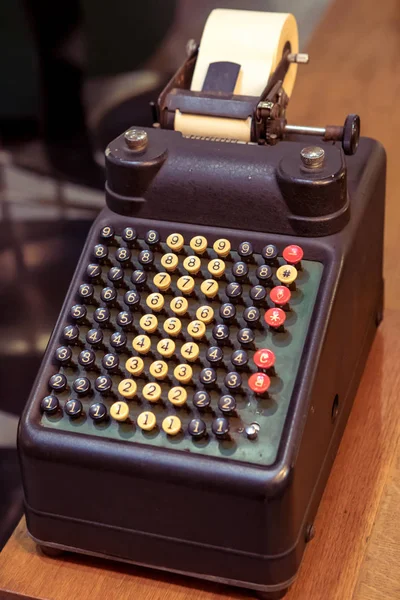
{"x": 267, "y": 112}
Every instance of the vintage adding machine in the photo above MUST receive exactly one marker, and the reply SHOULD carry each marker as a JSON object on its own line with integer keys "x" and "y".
{"x": 199, "y": 378}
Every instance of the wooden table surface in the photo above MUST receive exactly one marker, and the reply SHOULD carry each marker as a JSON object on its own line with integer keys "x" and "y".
{"x": 355, "y": 67}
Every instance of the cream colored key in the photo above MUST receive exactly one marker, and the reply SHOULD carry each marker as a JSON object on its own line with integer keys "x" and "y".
{"x": 287, "y": 274}
{"x": 135, "y": 365}
{"x": 179, "y": 305}
{"x": 169, "y": 262}
{"x": 152, "y": 392}
{"x": 155, "y": 301}
{"x": 173, "y": 326}
{"x": 159, "y": 369}
{"x": 190, "y": 351}
{"x": 177, "y": 396}
{"x": 199, "y": 244}
{"x": 185, "y": 284}
{"x": 146, "y": 420}
{"x": 192, "y": 264}
{"x": 183, "y": 373}
{"x": 222, "y": 247}
{"x": 210, "y": 288}
{"x": 127, "y": 388}
{"x": 166, "y": 347}
{"x": 162, "y": 281}
{"x": 149, "y": 323}
{"x": 142, "y": 344}
{"x": 119, "y": 411}
{"x": 172, "y": 425}
{"x": 216, "y": 267}
{"x": 205, "y": 314}
{"x": 175, "y": 241}
{"x": 196, "y": 329}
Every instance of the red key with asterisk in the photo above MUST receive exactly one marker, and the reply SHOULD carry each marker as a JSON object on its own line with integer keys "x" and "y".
{"x": 275, "y": 317}
{"x": 259, "y": 383}
{"x": 264, "y": 358}
{"x": 293, "y": 254}
{"x": 280, "y": 295}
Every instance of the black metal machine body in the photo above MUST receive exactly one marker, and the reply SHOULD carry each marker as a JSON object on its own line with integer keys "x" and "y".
{"x": 235, "y": 505}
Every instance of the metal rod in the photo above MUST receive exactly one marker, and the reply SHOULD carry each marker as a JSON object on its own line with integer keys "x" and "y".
{"x": 299, "y": 58}
{"x": 303, "y": 130}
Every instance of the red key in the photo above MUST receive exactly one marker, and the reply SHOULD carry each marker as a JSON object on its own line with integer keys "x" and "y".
{"x": 259, "y": 382}
{"x": 275, "y": 317}
{"x": 293, "y": 254}
{"x": 264, "y": 358}
{"x": 280, "y": 295}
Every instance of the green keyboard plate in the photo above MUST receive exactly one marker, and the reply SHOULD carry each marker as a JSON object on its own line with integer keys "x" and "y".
{"x": 270, "y": 413}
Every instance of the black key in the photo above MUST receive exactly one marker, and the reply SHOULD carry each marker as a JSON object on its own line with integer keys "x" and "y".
{"x": 116, "y": 275}
{"x": 269, "y": 252}
{"x": 264, "y": 274}
{"x": 245, "y": 250}
{"x": 233, "y": 380}
{"x": 73, "y": 408}
{"x": 220, "y": 332}
{"x": 78, "y": 312}
{"x": 63, "y": 354}
{"x": 251, "y": 314}
{"x": 258, "y": 293}
{"x": 227, "y": 404}
{"x": 50, "y": 405}
{"x": 98, "y": 412}
{"x": 220, "y": 427}
{"x": 107, "y": 233}
{"x": 103, "y": 384}
{"x": 214, "y": 355}
{"x": 108, "y": 294}
{"x": 129, "y": 235}
{"x": 58, "y": 382}
{"x": 208, "y": 376}
{"x": 123, "y": 255}
{"x": 102, "y": 315}
{"x": 132, "y": 298}
{"x": 227, "y": 312}
{"x": 139, "y": 277}
{"x": 240, "y": 270}
{"x": 110, "y": 362}
{"x": 146, "y": 258}
{"x": 93, "y": 271}
{"x": 118, "y": 340}
{"x": 94, "y": 337}
{"x": 245, "y": 336}
{"x": 124, "y": 319}
{"x": 201, "y": 399}
{"x": 234, "y": 290}
{"x": 71, "y": 334}
{"x": 239, "y": 358}
{"x": 86, "y": 292}
{"x": 197, "y": 428}
{"x": 100, "y": 251}
{"x": 152, "y": 237}
{"x": 87, "y": 358}
{"x": 81, "y": 386}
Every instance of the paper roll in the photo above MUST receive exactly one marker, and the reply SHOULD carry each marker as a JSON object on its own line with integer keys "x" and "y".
{"x": 256, "y": 41}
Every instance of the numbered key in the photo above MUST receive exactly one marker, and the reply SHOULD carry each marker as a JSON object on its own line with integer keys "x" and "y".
{"x": 216, "y": 267}
{"x": 81, "y": 386}
{"x": 269, "y": 253}
{"x": 210, "y": 288}
{"x": 222, "y": 247}
{"x": 220, "y": 332}
{"x": 245, "y": 336}
{"x": 102, "y": 315}
{"x": 129, "y": 236}
{"x": 159, "y": 369}
{"x": 63, "y": 355}
{"x": 110, "y": 362}
{"x": 264, "y": 274}
{"x": 58, "y": 382}
{"x": 108, "y": 295}
{"x": 146, "y": 421}
{"x": 73, "y": 408}
{"x": 50, "y": 405}
{"x": 119, "y": 411}
{"x": 172, "y": 326}
{"x": 177, "y": 396}
{"x": 245, "y": 250}
{"x": 149, "y": 323}
{"x": 202, "y": 400}
{"x": 172, "y": 425}
{"x": 135, "y": 365}
{"x": 139, "y": 278}
{"x": 93, "y": 272}
{"x": 183, "y": 373}
{"x": 227, "y": 404}
{"x": 185, "y": 284}
{"x": 233, "y": 380}
{"x": 103, "y": 384}
{"x": 170, "y": 262}
{"x": 220, "y": 427}
{"x": 179, "y": 305}
{"x": 86, "y": 292}
{"x": 162, "y": 281}
{"x": 227, "y": 312}
{"x": 240, "y": 270}
{"x": 107, "y": 234}
{"x": 234, "y": 291}
{"x": 190, "y": 351}
{"x": 239, "y": 358}
{"x": 94, "y": 337}
{"x": 192, "y": 264}
{"x": 78, "y": 312}
{"x": 208, "y": 376}
{"x": 199, "y": 244}
{"x": 116, "y": 275}
{"x": 155, "y": 301}
{"x": 71, "y": 334}
{"x": 152, "y": 237}
{"x": 251, "y": 315}
{"x": 123, "y": 256}
{"x": 146, "y": 258}
{"x": 197, "y": 428}
{"x": 175, "y": 241}
{"x": 196, "y": 329}
{"x": 127, "y": 388}
{"x": 205, "y": 314}
{"x": 98, "y": 412}
{"x": 152, "y": 392}
{"x": 118, "y": 340}
{"x": 258, "y": 293}
{"x": 132, "y": 299}
{"x": 142, "y": 344}
{"x": 166, "y": 347}
{"x": 214, "y": 355}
